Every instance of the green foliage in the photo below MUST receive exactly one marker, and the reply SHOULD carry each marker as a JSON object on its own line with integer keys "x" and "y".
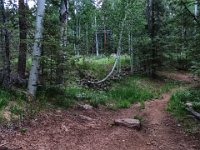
{"x": 17, "y": 110}
{"x": 12, "y": 103}
{"x": 5, "y": 97}
{"x": 121, "y": 95}
{"x": 142, "y": 105}
{"x": 99, "y": 66}
{"x": 168, "y": 86}
{"x": 138, "y": 89}
{"x": 123, "y": 104}
{"x": 23, "y": 130}
{"x": 139, "y": 118}
{"x": 88, "y": 95}
{"x": 130, "y": 91}
{"x": 178, "y": 100}
{"x": 58, "y": 97}
{"x": 176, "y": 106}
{"x": 98, "y": 99}
{"x": 196, "y": 106}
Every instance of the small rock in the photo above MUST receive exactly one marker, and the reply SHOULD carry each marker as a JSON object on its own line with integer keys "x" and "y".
{"x": 148, "y": 143}
{"x": 58, "y": 111}
{"x": 130, "y": 123}
{"x": 85, "y": 118}
{"x": 63, "y": 127}
{"x": 85, "y": 107}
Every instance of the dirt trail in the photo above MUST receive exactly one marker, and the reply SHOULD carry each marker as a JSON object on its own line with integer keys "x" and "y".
{"x": 72, "y": 130}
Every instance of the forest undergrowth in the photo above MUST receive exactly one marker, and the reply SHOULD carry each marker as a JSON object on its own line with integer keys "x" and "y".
{"x": 121, "y": 94}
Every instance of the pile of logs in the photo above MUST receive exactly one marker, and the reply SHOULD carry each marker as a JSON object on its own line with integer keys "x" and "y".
{"x": 90, "y": 81}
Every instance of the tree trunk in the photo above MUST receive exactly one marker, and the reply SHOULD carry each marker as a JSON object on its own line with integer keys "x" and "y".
{"x": 105, "y": 39}
{"x": 75, "y": 28}
{"x": 119, "y": 49}
{"x": 63, "y": 29}
{"x": 131, "y": 51}
{"x": 152, "y": 33}
{"x": 5, "y": 48}
{"x": 196, "y": 11}
{"x": 23, "y": 36}
{"x": 96, "y": 37}
{"x": 34, "y": 73}
{"x": 87, "y": 40}
{"x": 63, "y": 21}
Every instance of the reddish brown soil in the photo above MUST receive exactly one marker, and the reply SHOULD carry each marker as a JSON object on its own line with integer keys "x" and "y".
{"x": 180, "y": 76}
{"x": 72, "y": 130}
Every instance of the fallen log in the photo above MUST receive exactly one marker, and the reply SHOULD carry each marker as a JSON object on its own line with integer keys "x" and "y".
{"x": 192, "y": 111}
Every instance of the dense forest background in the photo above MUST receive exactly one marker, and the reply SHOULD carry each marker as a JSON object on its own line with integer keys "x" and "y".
{"x": 154, "y": 34}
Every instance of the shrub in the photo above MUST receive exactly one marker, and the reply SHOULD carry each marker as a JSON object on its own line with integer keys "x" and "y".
{"x": 5, "y": 97}
{"x": 177, "y": 102}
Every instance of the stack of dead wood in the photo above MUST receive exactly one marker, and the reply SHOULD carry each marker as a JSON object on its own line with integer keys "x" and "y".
{"x": 91, "y": 82}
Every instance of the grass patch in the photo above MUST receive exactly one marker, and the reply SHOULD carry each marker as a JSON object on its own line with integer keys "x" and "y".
{"x": 11, "y": 105}
{"x": 123, "y": 104}
{"x": 54, "y": 96}
{"x": 99, "y": 66}
{"x": 176, "y": 106}
{"x": 87, "y": 95}
{"x": 130, "y": 91}
{"x": 177, "y": 102}
{"x": 138, "y": 89}
{"x": 5, "y": 97}
{"x": 121, "y": 95}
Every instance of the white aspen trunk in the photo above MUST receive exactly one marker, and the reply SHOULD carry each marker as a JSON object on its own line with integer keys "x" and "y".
{"x": 34, "y": 73}
{"x": 75, "y": 52}
{"x": 117, "y": 59}
{"x": 131, "y": 51}
{"x": 129, "y": 42}
{"x": 87, "y": 45}
{"x": 79, "y": 28}
{"x": 96, "y": 37}
{"x": 79, "y": 35}
{"x": 183, "y": 37}
{"x": 196, "y": 11}
{"x": 76, "y": 49}
{"x": 119, "y": 49}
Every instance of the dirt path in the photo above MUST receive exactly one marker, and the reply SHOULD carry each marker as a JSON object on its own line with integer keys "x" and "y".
{"x": 91, "y": 130}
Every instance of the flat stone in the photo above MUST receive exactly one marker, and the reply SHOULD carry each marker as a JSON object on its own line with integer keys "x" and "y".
{"x": 86, "y": 118}
{"x": 127, "y": 122}
{"x": 85, "y": 107}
